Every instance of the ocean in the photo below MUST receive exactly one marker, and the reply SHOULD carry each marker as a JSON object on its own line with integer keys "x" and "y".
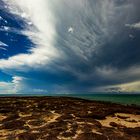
{"x": 115, "y": 98}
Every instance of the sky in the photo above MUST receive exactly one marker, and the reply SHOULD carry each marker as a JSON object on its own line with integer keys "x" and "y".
{"x": 65, "y": 46}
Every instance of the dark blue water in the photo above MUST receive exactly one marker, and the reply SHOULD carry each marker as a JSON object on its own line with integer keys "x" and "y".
{"x": 115, "y": 98}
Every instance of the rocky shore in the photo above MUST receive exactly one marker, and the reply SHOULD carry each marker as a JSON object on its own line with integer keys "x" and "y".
{"x": 65, "y": 118}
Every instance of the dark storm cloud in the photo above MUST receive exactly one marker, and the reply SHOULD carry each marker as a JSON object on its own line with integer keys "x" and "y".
{"x": 95, "y": 48}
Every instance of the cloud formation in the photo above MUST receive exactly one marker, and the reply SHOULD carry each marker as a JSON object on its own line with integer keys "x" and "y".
{"x": 41, "y": 32}
{"x": 3, "y": 46}
{"x": 135, "y": 25}
{"x": 84, "y": 49}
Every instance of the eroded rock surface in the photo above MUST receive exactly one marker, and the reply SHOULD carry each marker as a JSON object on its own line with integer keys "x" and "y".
{"x": 64, "y": 118}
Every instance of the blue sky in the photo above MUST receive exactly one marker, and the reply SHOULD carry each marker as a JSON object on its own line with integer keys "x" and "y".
{"x": 69, "y": 46}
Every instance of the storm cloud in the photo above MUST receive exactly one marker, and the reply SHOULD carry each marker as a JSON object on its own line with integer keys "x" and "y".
{"x": 71, "y": 46}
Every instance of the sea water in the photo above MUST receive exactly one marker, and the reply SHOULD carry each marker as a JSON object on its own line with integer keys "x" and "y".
{"x": 111, "y": 97}
{"x": 115, "y": 98}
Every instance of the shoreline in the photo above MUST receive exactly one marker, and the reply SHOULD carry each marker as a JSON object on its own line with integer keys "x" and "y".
{"x": 67, "y": 96}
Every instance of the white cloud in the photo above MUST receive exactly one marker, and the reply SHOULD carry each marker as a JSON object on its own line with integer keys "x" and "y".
{"x": 1, "y": 18}
{"x": 2, "y": 84}
{"x": 6, "y": 88}
{"x": 16, "y": 79}
{"x": 125, "y": 87}
{"x": 12, "y": 87}
{"x": 39, "y": 91}
{"x": 135, "y": 25}
{"x": 17, "y": 82}
{"x": 70, "y": 29}
{"x": 3, "y": 44}
{"x": 6, "y": 28}
{"x": 130, "y": 87}
{"x": 2, "y": 48}
{"x": 42, "y": 33}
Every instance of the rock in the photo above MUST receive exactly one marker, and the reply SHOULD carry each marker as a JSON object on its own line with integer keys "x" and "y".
{"x": 113, "y": 124}
{"x": 27, "y": 119}
{"x": 91, "y": 136}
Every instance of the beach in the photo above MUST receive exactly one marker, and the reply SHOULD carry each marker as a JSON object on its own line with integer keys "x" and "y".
{"x": 67, "y": 118}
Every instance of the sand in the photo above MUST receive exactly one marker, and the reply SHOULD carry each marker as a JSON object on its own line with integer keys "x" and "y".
{"x": 65, "y": 118}
{"x": 131, "y": 120}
